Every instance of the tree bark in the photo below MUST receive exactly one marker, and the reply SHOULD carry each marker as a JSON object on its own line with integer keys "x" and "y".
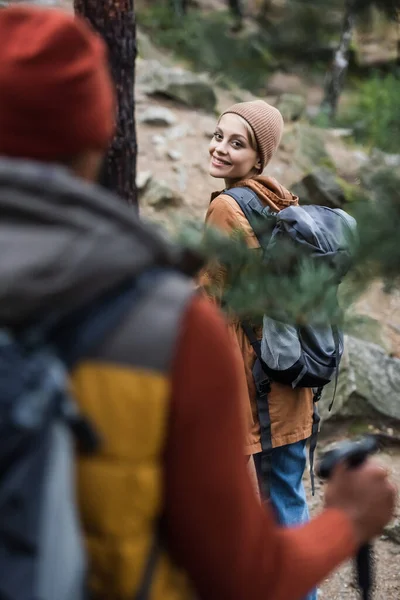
{"x": 336, "y": 76}
{"x": 179, "y": 7}
{"x": 115, "y": 21}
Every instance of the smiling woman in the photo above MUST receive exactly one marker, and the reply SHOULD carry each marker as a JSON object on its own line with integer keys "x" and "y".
{"x": 245, "y": 139}
{"x": 233, "y": 150}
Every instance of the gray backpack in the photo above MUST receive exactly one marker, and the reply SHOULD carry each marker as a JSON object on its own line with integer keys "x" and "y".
{"x": 42, "y": 554}
{"x": 299, "y": 356}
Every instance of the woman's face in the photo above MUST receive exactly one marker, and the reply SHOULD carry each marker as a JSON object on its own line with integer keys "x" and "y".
{"x": 233, "y": 156}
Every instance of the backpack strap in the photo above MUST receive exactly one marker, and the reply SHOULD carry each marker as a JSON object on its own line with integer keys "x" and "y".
{"x": 76, "y": 335}
{"x": 153, "y": 556}
{"x": 84, "y": 329}
{"x": 253, "y": 209}
{"x": 263, "y": 387}
{"x": 316, "y": 419}
{"x": 335, "y": 332}
{"x": 251, "y": 336}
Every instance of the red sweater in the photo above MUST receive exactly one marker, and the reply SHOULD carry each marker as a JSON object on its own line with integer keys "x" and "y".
{"x": 217, "y": 529}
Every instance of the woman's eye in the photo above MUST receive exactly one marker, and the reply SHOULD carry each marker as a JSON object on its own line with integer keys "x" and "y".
{"x": 217, "y": 136}
{"x": 236, "y": 144}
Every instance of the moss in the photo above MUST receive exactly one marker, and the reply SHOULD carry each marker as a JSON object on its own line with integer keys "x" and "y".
{"x": 359, "y": 428}
{"x": 306, "y": 145}
{"x": 367, "y": 329}
{"x": 352, "y": 193}
{"x": 374, "y": 113}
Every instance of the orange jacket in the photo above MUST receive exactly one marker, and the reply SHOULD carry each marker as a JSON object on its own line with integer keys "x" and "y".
{"x": 290, "y": 410}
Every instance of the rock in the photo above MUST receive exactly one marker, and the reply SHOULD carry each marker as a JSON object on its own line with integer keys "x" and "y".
{"x": 292, "y": 106}
{"x": 372, "y": 178}
{"x": 182, "y": 177}
{"x": 159, "y": 196}
{"x": 341, "y": 132}
{"x": 174, "y": 155}
{"x": 158, "y": 140}
{"x": 178, "y": 132}
{"x": 312, "y": 111}
{"x": 143, "y": 178}
{"x": 378, "y": 48}
{"x": 321, "y": 187}
{"x": 146, "y": 49}
{"x": 377, "y": 168}
{"x": 159, "y": 152}
{"x": 382, "y": 159}
{"x": 240, "y": 95}
{"x": 360, "y": 156}
{"x": 368, "y": 386}
{"x": 364, "y": 327}
{"x": 193, "y": 90}
{"x": 282, "y": 83}
{"x": 392, "y": 531}
{"x": 305, "y": 146}
{"x": 158, "y": 116}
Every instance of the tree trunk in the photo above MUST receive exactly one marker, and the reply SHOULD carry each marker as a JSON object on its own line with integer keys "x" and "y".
{"x": 115, "y": 21}
{"x": 336, "y": 76}
{"x": 179, "y": 7}
{"x": 236, "y": 8}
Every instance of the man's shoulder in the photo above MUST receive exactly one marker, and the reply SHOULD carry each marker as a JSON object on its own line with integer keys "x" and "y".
{"x": 147, "y": 333}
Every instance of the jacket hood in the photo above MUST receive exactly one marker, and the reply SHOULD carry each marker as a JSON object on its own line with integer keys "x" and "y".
{"x": 269, "y": 190}
{"x": 64, "y": 241}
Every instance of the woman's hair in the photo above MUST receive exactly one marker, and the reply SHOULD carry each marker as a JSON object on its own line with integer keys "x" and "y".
{"x": 250, "y": 135}
{"x": 252, "y": 140}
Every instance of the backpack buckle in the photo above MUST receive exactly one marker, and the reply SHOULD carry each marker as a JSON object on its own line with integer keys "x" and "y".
{"x": 317, "y": 394}
{"x": 264, "y": 387}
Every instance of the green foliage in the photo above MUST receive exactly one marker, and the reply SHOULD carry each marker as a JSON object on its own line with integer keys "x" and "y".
{"x": 305, "y": 28}
{"x": 366, "y": 328}
{"x": 389, "y": 8}
{"x": 254, "y": 288}
{"x": 375, "y": 113}
{"x": 205, "y": 40}
{"x": 306, "y": 145}
{"x": 307, "y": 293}
{"x": 352, "y": 193}
{"x": 301, "y": 34}
{"x": 379, "y": 225}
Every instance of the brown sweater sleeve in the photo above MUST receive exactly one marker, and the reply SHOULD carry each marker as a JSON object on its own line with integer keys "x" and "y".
{"x": 217, "y": 529}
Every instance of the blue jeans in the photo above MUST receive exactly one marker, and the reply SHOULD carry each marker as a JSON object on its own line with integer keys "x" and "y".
{"x": 287, "y": 492}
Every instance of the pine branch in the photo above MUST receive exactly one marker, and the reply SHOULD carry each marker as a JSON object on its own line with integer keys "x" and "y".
{"x": 307, "y": 292}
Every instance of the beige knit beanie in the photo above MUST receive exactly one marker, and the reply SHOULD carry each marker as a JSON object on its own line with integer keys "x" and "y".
{"x": 267, "y": 123}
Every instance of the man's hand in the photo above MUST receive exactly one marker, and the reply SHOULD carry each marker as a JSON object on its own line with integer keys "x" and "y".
{"x": 365, "y": 494}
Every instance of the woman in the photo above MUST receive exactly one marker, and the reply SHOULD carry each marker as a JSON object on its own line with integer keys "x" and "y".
{"x": 246, "y": 137}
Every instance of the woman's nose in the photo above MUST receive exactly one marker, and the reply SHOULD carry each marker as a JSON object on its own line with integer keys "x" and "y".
{"x": 221, "y": 147}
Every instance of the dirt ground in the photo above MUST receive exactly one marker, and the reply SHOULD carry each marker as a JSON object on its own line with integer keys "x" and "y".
{"x": 340, "y": 585}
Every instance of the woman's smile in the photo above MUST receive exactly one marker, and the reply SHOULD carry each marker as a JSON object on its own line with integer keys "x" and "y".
{"x": 217, "y": 161}
{"x": 233, "y": 155}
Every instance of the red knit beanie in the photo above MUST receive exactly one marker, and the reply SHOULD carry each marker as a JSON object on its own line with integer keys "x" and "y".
{"x": 56, "y": 93}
